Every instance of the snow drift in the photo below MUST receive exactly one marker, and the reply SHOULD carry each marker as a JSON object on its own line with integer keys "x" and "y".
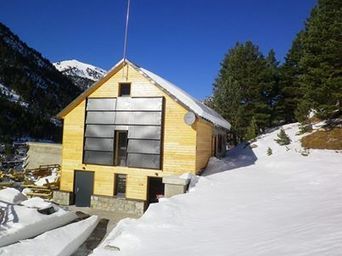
{"x": 11, "y": 196}
{"x": 249, "y": 203}
{"x": 24, "y": 221}
{"x": 58, "y": 242}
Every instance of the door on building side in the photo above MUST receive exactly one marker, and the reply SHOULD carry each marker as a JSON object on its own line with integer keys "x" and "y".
{"x": 83, "y": 188}
{"x": 155, "y": 189}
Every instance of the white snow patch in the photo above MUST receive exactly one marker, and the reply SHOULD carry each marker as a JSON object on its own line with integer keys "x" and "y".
{"x": 319, "y": 125}
{"x": 58, "y": 242}
{"x": 36, "y": 202}
{"x": 26, "y": 191}
{"x": 77, "y": 68}
{"x": 51, "y": 178}
{"x": 248, "y": 203}
{"x": 11, "y": 196}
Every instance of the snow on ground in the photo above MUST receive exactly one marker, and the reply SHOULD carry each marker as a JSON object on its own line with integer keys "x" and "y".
{"x": 12, "y": 196}
{"x": 246, "y": 204}
{"x": 61, "y": 241}
{"x": 36, "y": 202}
{"x": 19, "y": 222}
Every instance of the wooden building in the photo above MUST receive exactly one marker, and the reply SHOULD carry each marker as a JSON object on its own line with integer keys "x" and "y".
{"x": 130, "y": 129}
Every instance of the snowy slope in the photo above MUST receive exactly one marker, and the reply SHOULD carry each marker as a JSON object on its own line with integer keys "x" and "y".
{"x": 248, "y": 204}
{"x": 75, "y": 68}
{"x": 12, "y": 95}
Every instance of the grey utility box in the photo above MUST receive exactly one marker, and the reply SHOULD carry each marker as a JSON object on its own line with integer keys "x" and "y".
{"x": 174, "y": 185}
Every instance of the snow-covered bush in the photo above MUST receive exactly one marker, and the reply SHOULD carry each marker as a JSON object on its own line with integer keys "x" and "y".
{"x": 283, "y": 138}
{"x": 304, "y": 128}
{"x": 269, "y": 151}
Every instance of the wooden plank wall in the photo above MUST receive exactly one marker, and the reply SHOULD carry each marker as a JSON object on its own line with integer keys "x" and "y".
{"x": 204, "y": 143}
{"x": 179, "y": 141}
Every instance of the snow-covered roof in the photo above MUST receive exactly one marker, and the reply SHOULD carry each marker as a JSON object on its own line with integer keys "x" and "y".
{"x": 193, "y": 104}
{"x": 184, "y": 98}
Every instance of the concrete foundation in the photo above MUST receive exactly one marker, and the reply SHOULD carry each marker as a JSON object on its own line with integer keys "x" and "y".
{"x": 109, "y": 203}
{"x": 63, "y": 197}
{"x": 175, "y": 185}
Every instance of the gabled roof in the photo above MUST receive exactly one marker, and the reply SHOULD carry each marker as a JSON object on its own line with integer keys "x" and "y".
{"x": 184, "y": 98}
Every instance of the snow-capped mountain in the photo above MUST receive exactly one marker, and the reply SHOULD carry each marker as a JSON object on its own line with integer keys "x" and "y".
{"x": 82, "y": 74}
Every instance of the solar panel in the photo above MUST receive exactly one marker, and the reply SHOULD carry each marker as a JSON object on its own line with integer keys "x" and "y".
{"x": 144, "y": 146}
{"x": 101, "y": 104}
{"x": 143, "y": 161}
{"x": 99, "y": 130}
{"x": 145, "y": 118}
{"x": 100, "y": 117}
{"x": 99, "y": 144}
{"x": 144, "y": 132}
{"x": 97, "y": 157}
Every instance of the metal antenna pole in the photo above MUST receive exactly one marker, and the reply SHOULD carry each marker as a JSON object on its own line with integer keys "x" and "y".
{"x": 126, "y": 32}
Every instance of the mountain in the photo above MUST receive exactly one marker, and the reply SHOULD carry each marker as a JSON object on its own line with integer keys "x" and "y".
{"x": 82, "y": 74}
{"x": 32, "y": 90}
{"x": 12, "y": 96}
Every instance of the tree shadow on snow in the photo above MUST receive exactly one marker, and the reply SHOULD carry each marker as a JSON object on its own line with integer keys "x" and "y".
{"x": 240, "y": 156}
{"x": 7, "y": 214}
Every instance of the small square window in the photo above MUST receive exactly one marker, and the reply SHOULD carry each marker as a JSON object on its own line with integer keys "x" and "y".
{"x": 124, "y": 89}
{"x": 120, "y": 185}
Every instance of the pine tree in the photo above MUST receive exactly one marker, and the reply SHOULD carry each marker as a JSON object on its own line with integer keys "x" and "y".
{"x": 241, "y": 89}
{"x": 269, "y": 151}
{"x": 252, "y": 130}
{"x": 290, "y": 73}
{"x": 282, "y": 139}
{"x": 226, "y": 99}
{"x": 270, "y": 91}
{"x": 321, "y": 62}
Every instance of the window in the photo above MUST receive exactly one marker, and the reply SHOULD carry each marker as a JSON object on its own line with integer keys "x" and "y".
{"x": 124, "y": 89}
{"x": 120, "y": 185}
{"x": 121, "y": 148}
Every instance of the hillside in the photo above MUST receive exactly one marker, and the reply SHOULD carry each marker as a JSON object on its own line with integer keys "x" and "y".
{"x": 32, "y": 89}
{"x": 249, "y": 203}
{"x": 83, "y": 75}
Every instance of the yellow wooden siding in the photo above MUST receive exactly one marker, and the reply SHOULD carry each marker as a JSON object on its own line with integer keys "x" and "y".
{"x": 204, "y": 143}
{"x": 73, "y": 127}
{"x": 179, "y": 141}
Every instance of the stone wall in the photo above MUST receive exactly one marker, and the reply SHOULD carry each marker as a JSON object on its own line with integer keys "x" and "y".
{"x": 62, "y": 197}
{"x": 117, "y": 204}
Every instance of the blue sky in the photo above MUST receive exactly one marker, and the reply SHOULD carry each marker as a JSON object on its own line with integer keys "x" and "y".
{"x": 183, "y": 41}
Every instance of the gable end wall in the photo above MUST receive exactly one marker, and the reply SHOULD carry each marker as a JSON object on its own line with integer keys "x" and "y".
{"x": 179, "y": 150}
